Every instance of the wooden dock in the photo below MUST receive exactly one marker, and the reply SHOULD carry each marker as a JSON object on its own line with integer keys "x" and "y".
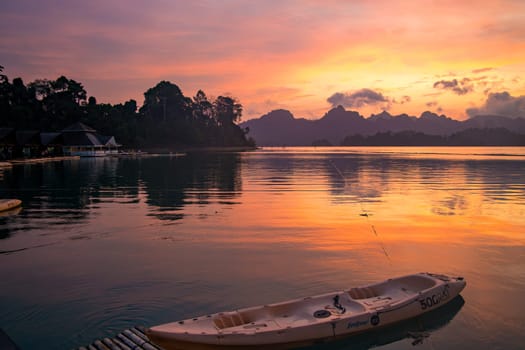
{"x": 130, "y": 339}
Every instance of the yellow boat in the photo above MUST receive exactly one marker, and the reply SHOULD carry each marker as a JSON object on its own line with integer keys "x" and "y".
{"x": 8, "y": 204}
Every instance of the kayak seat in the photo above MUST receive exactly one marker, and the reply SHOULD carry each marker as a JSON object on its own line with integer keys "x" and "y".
{"x": 363, "y": 293}
{"x": 230, "y": 319}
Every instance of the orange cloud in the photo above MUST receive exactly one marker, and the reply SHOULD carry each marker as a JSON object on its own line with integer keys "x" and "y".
{"x": 315, "y": 48}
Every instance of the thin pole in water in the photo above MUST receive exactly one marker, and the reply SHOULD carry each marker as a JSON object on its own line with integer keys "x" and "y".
{"x": 364, "y": 213}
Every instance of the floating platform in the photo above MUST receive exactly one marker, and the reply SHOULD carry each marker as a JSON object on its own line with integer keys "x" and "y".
{"x": 42, "y": 160}
{"x": 9, "y": 204}
{"x": 130, "y": 339}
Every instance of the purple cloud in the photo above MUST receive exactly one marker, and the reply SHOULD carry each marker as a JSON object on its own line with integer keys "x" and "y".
{"x": 501, "y": 103}
{"x": 365, "y": 97}
{"x": 357, "y": 99}
{"x": 404, "y": 99}
{"x": 460, "y": 87}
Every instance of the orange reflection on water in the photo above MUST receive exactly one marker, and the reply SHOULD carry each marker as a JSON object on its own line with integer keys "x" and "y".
{"x": 403, "y": 203}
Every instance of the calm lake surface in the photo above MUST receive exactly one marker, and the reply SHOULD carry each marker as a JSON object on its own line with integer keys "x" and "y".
{"x": 102, "y": 245}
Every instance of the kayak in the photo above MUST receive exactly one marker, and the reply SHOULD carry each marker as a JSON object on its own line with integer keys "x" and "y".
{"x": 8, "y": 204}
{"x": 312, "y": 319}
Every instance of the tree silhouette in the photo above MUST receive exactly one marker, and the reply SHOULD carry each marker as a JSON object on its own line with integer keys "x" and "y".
{"x": 227, "y": 110}
{"x": 202, "y": 108}
{"x": 166, "y": 119}
{"x": 166, "y": 101}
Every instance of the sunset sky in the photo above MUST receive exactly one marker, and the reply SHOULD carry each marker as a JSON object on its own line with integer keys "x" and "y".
{"x": 453, "y": 57}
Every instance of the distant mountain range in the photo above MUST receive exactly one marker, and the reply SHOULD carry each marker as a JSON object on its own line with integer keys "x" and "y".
{"x": 281, "y": 128}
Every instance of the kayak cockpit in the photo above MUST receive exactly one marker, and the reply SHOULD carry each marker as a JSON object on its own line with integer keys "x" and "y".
{"x": 301, "y": 311}
{"x": 401, "y": 287}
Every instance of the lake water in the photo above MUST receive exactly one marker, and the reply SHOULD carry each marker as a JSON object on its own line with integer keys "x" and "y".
{"x": 102, "y": 245}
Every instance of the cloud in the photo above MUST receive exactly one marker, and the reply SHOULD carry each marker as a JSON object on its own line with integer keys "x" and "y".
{"x": 199, "y": 45}
{"x": 434, "y": 105}
{"x": 501, "y": 103}
{"x": 481, "y": 70}
{"x": 404, "y": 99}
{"x": 365, "y": 97}
{"x": 460, "y": 87}
{"x": 358, "y": 98}
{"x": 433, "y": 94}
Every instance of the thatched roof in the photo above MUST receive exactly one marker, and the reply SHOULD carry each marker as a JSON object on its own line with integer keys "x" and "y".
{"x": 81, "y": 139}
{"x": 78, "y": 127}
{"x": 47, "y": 138}
{"x": 108, "y": 140}
{"x": 28, "y": 137}
{"x": 77, "y": 134}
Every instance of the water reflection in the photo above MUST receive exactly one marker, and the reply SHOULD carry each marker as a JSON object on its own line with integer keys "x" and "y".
{"x": 72, "y": 192}
{"x": 65, "y": 192}
{"x": 369, "y": 178}
{"x": 358, "y": 177}
{"x": 389, "y": 187}
{"x": 120, "y": 242}
{"x": 195, "y": 179}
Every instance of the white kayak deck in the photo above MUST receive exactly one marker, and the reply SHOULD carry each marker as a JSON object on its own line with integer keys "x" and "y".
{"x": 296, "y": 313}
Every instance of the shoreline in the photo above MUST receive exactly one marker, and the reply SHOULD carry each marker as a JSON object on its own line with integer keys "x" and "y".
{"x": 9, "y": 163}
{"x": 40, "y": 160}
{"x": 179, "y": 151}
{"x": 146, "y": 151}
{"x": 168, "y": 150}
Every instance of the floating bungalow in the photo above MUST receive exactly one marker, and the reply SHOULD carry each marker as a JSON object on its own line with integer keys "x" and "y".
{"x": 75, "y": 140}
{"x": 81, "y": 140}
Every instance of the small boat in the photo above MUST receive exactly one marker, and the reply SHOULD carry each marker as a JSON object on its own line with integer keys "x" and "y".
{"x": 8, "y": 204}
{"x": 312, "y": 319}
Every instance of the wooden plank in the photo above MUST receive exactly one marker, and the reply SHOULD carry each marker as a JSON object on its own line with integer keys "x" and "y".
{"x": 129, "y": 339}
{"x": 120, "y": 344}
{"x": 110, "y": 344}
{"x": 132, "y": 345}
{"x": 100, "y": 346}
{"x": 140, "y": 333}
{"x": 135, "y": 338}
{"x": 149, "y": 346}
